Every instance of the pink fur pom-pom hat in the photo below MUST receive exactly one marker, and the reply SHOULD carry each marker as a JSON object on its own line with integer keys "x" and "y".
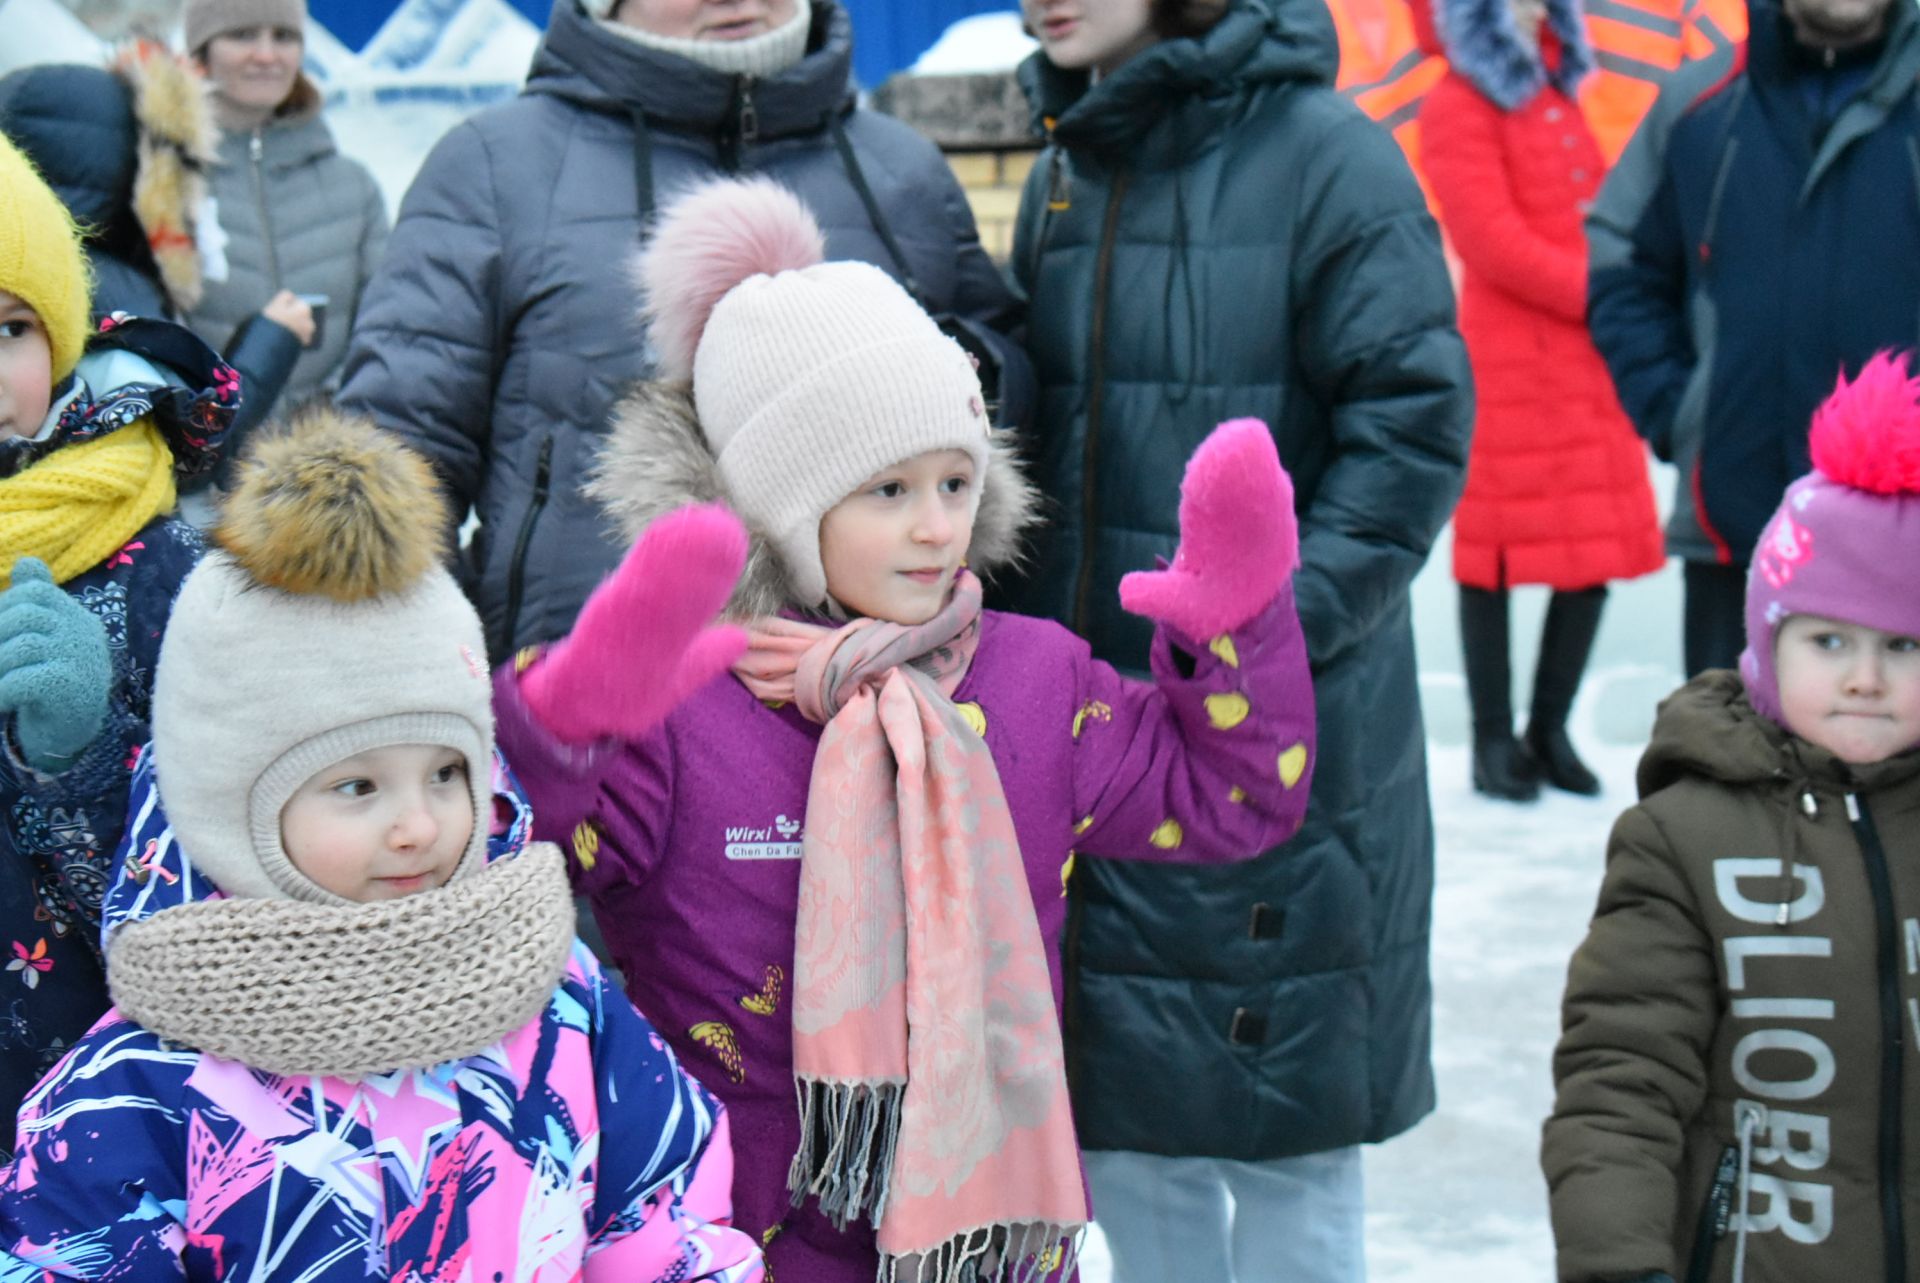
{"x": 809, "y": 376}
{"x": 1846, "y": 537}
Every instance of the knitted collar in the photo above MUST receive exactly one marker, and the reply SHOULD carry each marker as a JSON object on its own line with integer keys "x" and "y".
{"x": 294, "y": 988}
{"x": 766, "y": 54}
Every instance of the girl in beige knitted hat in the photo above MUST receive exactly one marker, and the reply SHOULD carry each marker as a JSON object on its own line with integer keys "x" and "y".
{"x": 837, "y": 876}
{"x": 354, "y": 1035}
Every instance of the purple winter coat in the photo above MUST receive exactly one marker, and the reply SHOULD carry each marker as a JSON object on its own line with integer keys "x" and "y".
{"x": 688, "y": 843}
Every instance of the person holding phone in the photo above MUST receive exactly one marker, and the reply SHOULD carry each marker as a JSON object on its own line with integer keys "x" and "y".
{"x": 293, "y": 228}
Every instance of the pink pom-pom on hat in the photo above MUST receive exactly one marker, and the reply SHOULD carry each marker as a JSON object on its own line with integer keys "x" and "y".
{"x": 715, "y": 236}
{"x": 1843, "y": 543}
{"x": 1867, "y": 434}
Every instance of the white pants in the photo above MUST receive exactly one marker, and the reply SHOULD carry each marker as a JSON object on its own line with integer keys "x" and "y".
{"x": 1210, "y": 1220}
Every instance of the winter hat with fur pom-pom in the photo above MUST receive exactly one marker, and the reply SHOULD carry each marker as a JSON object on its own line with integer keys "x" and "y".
{"x": 1847, "y": 536}
{"x": 323, "y": 625}
{"x": 808, "y": 376}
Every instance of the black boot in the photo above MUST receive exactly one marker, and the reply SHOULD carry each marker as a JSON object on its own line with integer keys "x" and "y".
{"x": 1500, "y": 766}
{"x": 1573, "y": 618}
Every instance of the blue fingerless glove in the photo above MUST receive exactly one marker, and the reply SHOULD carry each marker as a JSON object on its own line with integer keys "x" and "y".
{"x": 55, "y": 668}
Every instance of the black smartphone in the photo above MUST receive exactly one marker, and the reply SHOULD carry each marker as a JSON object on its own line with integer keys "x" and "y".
{"x": 317, "y": 304}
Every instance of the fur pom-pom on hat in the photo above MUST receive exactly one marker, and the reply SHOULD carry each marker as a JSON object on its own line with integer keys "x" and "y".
{"x": 1867, "y": 434}
{"x": 334, "y": 507}
{"x": 709, "y": 240}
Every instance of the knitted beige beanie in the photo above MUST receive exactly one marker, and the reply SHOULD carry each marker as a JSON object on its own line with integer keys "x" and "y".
{"x": 808, "y": 376}
{"x": 202, "y": 20}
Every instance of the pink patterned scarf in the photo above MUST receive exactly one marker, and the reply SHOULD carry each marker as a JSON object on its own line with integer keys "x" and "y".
{"x": 926, "y": 1049}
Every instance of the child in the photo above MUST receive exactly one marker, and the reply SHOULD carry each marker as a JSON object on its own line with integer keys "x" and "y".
{"x": 352, "y": 1037}
{"x": 93, "y": 436}
{"x": 1736, "y": 1085}
{"x": 843, "y": 872}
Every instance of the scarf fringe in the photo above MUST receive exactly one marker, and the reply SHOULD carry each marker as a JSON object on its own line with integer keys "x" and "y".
{"x": 1028, "y": 1253}
{"x": 849, "y": 1134}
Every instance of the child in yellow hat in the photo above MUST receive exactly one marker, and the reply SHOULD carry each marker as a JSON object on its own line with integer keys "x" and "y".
{"x": 95, "y": 430}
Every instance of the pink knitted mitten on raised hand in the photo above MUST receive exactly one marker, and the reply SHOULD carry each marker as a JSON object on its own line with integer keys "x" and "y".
{"x": 645, "y": 640}
{"x": 1239, "y": 541}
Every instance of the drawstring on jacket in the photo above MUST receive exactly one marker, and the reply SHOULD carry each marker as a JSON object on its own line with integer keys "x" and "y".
{"x": 851, "y": 163}
{"x": 1181, "y": 375}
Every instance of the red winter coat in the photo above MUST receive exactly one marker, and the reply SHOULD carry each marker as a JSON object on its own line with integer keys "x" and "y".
{"x": 1557, "y": 486}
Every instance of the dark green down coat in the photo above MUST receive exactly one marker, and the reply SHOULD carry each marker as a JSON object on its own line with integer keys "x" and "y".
{"x": 1213, "y": 233}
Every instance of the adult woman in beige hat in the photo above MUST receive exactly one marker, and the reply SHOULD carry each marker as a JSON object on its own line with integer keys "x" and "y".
{"x": 296, "y": 225}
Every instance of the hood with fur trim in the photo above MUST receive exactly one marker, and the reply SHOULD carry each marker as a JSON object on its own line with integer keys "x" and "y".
{"x": 656, "y": 460}
{"x": 1484, "y": 45}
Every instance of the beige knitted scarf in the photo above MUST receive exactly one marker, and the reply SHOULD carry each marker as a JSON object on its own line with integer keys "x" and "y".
{"x": 342, "y": 991}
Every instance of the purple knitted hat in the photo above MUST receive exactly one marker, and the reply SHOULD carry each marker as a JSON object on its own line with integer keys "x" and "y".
{"x": 1846, "y": 540}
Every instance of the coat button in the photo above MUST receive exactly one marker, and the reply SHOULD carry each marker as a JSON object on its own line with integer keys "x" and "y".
{"x": 1553, "y": 113}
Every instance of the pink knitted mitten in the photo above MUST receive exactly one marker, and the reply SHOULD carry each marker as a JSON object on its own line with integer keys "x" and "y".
{"x": 1238, "y": 538}
{"x": 645, "y": 640}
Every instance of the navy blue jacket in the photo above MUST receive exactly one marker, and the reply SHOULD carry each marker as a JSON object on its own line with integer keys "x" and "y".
{"x": 1760, "y": 234}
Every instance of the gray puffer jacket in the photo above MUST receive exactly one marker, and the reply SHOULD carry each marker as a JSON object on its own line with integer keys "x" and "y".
{"x": 293, "y": 214}
{"x": 505, "y": 324}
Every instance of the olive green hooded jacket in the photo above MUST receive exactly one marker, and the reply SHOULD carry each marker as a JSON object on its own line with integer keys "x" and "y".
{"x": 1739, "y": 1025}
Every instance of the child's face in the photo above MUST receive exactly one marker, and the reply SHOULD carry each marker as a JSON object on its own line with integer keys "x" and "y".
{"x": 891, "y": 549}
{"x": 26, "y": 369}
{"x": 381, "y": 824}
{"x": 254, "y": 67}
{"x": 1852, "y": 690}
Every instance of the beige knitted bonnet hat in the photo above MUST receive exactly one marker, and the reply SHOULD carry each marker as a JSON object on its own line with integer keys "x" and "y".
{"x": 808, "y": 376}
{"x": 323, "y": 625}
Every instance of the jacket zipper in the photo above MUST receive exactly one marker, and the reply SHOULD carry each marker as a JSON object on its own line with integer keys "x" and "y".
{"x": 746, "y": 125}
{"x": 1096, "y": 403}
{"x": 1887, "y": 953}
{"x": 256, "y": 149}
{"x": 517, "y": 569}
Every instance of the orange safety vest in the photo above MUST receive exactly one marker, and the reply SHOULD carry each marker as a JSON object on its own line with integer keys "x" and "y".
{"x": 1635, "y": 44}
{"x": 1386, "y": 68}
{"x": 1389, "y": 60}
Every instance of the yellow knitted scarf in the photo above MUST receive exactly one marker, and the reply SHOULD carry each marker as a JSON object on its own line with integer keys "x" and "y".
{"x": 80, "y": 504}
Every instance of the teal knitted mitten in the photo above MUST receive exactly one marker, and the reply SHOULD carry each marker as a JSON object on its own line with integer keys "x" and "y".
{"x": 55, "y": 669}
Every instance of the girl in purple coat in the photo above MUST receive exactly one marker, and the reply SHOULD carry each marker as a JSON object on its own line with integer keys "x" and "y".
{"x": 840, "y": 872}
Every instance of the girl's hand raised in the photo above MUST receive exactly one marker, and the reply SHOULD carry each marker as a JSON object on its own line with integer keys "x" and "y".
{"x": 1239, "y": 541}
{"x": 646, "y": 639}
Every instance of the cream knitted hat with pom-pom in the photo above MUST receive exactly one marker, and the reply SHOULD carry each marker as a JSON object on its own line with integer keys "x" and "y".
{"x": 808, "y": 376}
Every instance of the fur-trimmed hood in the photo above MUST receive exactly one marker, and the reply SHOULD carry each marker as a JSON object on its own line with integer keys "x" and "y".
{"x": 1485, "y": 46}
{"x": 656, "y": 460}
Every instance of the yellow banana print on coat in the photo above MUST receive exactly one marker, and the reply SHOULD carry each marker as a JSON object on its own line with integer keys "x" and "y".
{"x": 974, "y": 716}
{"x": 1093, "y": 710}
{"x": 1227, "y": 710}
{"x": 767, "y": 1001}
{"x": 718, "y": 1036}
{"x": 586, "y": 844}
